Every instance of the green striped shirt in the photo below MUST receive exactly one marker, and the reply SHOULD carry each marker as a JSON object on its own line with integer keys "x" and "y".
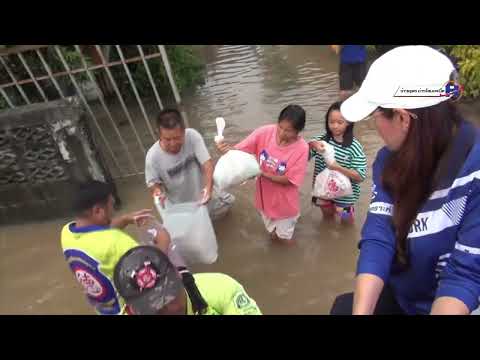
{"x": 350, "y": 157}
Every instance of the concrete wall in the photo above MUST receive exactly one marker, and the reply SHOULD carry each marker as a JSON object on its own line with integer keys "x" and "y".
{"x": 45, "y": 149}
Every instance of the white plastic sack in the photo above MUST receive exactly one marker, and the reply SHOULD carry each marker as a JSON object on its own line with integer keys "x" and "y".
{"x": 146, "y": 234}
{"x": 331, "y": 184}
{"x": 234, "y": 168}
{"x": 220, "y": 127}
{"x": 329, "y": 153}
{"x": 191, "y": 231}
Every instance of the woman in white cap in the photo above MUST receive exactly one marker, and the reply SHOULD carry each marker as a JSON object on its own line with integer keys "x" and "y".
{"x": 420, "y": 244}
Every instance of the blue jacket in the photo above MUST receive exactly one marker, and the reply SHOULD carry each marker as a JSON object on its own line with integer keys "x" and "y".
{"x": 353, "y": 54}
{"x": 444, "y": 241}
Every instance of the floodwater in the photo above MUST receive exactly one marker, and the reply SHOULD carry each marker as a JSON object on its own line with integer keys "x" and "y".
{"x": 248, "y": 86}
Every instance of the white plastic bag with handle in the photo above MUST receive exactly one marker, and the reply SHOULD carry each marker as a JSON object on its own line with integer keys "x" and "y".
{"x": 234, "y": 168}
{"x": 191, "y": 231}
{"x": 147, "y": 231}
{"x": 146, "y": 235}
{"x": 220, "y": 127}
{"x": 329, "y": 153}
{"x": 331, "y": 184}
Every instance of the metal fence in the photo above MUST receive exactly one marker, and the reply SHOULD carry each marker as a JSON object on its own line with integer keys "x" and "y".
{"x": 123, "y": 126}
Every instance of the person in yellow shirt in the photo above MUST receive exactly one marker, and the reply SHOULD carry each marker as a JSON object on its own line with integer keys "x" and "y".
{"x": 151, "y": 285}
{"x": 94, "y": 242}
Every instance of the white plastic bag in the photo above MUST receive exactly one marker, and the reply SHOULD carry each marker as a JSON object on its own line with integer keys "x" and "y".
{"x": 191, "y": 231}
{"x": 146, "y": 235}
{"x": 234, "y": 168}
{"x": 220, "y": 127}
{"x": 148, "y": 231}
{"x": 329, "y": 153}
{"x": 331, "y": 184}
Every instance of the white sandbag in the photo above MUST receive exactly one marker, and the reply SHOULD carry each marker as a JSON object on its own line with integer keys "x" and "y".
{"x": 331, "y": 184}
{"x": 191, "y": 231}
{"x": 234, "y": 168}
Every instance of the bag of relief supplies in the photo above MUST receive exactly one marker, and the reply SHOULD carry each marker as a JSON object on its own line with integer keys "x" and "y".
{"x": 331, "y": 184}
{"x": 235, "y": 167}
{"x": 191, "y": 231}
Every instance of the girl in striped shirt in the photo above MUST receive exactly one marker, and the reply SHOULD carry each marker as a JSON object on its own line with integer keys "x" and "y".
{"x": 350, "y": 160}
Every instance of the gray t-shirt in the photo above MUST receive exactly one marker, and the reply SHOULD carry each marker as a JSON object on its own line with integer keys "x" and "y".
{"x": 180, "y": 174}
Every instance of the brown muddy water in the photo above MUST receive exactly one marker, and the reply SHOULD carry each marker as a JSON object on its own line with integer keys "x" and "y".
{"x": 248, "y": 86}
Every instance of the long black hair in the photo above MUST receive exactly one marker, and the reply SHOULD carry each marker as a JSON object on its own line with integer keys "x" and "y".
{"x": 408, "y": 173}
{"x": 347, "y": 136}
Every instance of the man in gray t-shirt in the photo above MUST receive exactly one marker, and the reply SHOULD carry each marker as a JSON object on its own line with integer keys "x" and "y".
{"x": 178, "y": 167}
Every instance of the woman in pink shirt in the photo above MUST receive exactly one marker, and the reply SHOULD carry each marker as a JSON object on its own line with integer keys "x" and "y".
{"x": 283, "y": 157}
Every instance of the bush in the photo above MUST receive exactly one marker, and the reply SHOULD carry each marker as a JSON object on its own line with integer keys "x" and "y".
{"x": 467, "y": 58}
{"x": 3, "y": 103}
{"x": 186, "y": 66}
{"x": 72, "y": 58}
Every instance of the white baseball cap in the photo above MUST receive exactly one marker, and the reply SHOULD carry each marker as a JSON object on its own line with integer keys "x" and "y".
{"x": 401, "y": 69}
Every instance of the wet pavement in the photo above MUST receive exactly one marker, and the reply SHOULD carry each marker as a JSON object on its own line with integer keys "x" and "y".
{"x": 248, "y": 86}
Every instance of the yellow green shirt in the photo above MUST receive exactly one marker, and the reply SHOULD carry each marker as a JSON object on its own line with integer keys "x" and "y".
{"x": 224, "y": 296}
{"x": 92, "y": 253}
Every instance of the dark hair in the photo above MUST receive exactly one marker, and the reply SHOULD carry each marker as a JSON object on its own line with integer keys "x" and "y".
{"x": 411, "y": 172}
{"x": 170, "y": 119}
{"x": 89, "y": 194}
{"x": 295, "y": 115}
{"x": 348, "y": 135}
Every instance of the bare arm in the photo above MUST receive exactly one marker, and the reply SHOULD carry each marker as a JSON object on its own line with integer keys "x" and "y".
{"x": 121, "y": 222}
{"x": 367, "y": 291}
{"x": 277, "y": 179}
{"x": 223, "y": 147}
{"x": 162, "y": 240}
{"x": 207, "y": 170}
{"x": 319, "y": 147}
{"x": 352, "y": 174}
{"x": 446, "y": 305}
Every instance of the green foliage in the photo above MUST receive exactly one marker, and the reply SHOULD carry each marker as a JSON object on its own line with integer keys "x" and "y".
{"x": 74, "y": 61}
{"x": 72, "y": 58}
{"x": 468, "y": 60}
{"x": 185, "y": 63}
{"x": 3, "y": 103}
{"x": 186, "y": 66}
